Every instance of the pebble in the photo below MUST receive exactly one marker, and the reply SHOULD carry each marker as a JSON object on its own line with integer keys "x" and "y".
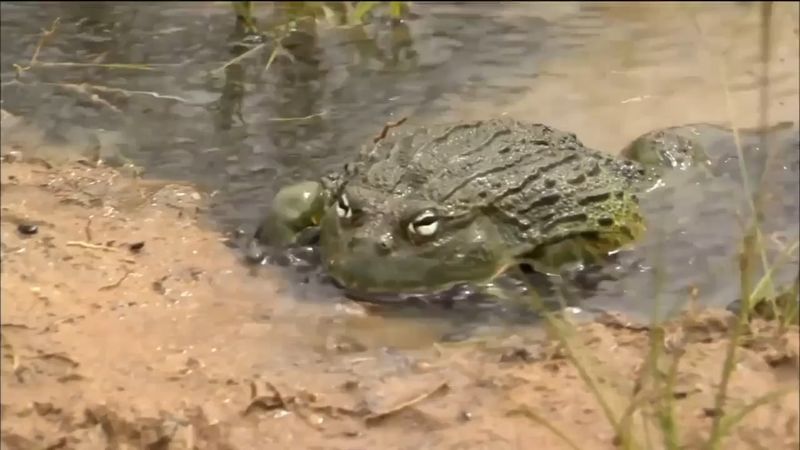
{"x": 28, "y": 228}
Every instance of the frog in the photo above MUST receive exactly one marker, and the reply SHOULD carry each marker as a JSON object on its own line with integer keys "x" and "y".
{"x": 423, "y": 208}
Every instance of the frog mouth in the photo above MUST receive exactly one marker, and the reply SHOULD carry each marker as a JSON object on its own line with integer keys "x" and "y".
{"x": 443, "y": 295}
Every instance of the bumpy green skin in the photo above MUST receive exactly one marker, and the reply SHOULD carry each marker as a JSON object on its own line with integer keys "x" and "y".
{"x": 293, "y": 209}
{"x": 499, "y": 193}
{"x": 672, "y": 148}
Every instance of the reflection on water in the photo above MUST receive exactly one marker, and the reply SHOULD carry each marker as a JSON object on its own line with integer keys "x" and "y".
{"x": 608, "y": 72}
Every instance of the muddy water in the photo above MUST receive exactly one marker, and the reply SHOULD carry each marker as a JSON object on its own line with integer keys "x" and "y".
{"x": 609, "y": 72}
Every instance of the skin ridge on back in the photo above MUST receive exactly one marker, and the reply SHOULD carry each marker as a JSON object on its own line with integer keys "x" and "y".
{"x": 542, "y": 183}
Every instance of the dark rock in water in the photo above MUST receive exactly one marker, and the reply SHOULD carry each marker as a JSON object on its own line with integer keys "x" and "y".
{"x": 254, "y": 253}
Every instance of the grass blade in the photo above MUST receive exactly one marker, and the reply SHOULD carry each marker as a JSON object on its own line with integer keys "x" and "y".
{"x": 729, "y": 421}
{"x": 360, "y": 11}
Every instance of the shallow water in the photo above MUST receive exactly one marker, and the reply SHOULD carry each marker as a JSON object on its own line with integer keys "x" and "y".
{"x": 608, "y": 72}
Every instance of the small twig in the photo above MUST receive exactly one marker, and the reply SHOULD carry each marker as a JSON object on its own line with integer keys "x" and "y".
{"x": 45, "y": 35}
{"x": 84, "y": 88}
{"x": 87, "y": 229}
{"x": 386, "y": 128}
{"x": 90, "y": 245}
{"x": 291, "y": 119}
{"x": 264, "y": 402}
{"x": 58, "y": 356}
{"x": 377, "y": 417}
{"x": 244, "y": 55}
{"x": 15, "y": 325}
{"x": 277, "y": 51}
{"x": 127, "y": 66}
{"x": 117, "y": 283}
{"x": 94, "y": 98}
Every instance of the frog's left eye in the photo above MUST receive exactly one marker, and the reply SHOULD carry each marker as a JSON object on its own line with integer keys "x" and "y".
{"x": 343, "y": 209}
{"x": 425, "y": 224}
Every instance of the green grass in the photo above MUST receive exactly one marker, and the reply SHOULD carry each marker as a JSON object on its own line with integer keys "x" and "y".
{"x": 648, "y": 420}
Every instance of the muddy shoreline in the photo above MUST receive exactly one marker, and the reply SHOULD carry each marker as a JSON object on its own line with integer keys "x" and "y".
{"x": 128, "y": 324}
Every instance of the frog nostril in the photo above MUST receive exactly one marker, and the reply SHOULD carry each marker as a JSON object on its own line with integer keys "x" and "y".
{"x": 384, "y": 245}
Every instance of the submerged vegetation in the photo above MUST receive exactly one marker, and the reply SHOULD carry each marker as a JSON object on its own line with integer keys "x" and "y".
{"x": 290, "y": 31}
{"x": 334, "y": 13}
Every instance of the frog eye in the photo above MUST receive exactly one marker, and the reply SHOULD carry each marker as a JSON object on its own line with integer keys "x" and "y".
{"x": 424, "y": 224}
{"x": 343, "y": 209}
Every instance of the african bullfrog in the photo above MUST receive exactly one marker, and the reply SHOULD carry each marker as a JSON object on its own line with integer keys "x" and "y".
{"x": 421, "y": 209}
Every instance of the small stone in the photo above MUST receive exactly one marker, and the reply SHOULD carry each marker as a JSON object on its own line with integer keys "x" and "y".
{"x": 28, "y": 228}
{"x": 519, "y": 354}
{"x": 12, "y": 156}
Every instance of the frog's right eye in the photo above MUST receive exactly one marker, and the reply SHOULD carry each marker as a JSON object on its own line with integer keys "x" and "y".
{"x": 343, "y": 209}
{"x": 424, "y": 225}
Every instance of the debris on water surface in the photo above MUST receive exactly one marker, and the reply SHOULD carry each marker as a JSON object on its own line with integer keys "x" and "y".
{"x": 386, "y": 128}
